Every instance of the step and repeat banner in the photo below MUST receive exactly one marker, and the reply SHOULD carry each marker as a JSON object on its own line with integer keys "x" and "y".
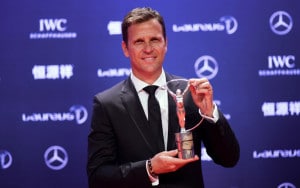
{"x": 56, "y": 55}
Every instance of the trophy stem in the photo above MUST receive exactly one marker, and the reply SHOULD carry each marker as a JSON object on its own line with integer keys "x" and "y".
{"x": 182, "y": 130}
{"x": 180, "y": 110}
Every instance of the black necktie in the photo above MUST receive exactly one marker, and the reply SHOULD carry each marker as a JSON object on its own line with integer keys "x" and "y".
{"x": 154, "y": 117}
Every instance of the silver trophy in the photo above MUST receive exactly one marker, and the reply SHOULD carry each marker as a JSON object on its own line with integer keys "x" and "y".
{"x": 177, "y": 88}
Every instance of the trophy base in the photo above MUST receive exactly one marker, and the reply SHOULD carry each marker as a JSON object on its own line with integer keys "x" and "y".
{"x": 185, "y": 145}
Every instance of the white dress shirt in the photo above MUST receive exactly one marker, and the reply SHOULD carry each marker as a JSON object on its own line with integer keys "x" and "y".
{"x": 161, "y": 95}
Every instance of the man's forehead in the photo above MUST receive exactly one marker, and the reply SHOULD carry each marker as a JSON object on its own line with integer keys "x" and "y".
{"x": 145, "y": 29}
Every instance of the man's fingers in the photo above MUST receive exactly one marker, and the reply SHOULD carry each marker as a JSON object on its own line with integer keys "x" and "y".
{"x": 172, "y": 153}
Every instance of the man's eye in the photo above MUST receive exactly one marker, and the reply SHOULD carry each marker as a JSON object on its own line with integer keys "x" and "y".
{"x": 155, "y": 41}
{"x": 139, "y": 43}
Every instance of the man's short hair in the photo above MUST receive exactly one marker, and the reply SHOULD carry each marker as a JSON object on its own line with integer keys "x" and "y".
{"x": 140, "y": 15}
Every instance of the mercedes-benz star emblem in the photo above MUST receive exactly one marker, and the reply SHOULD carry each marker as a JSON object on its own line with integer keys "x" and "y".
{"x": 281, "y": 22}
{"x": 206, "y": 66}
{"x": 56, "y": 157}
{"x": 286, "y": 185}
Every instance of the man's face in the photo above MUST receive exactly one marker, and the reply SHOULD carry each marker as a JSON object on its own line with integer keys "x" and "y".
{"x": 146, "y": 49}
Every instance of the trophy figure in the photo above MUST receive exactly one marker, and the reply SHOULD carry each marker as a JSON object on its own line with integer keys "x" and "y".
{"x": 177, "y": 88}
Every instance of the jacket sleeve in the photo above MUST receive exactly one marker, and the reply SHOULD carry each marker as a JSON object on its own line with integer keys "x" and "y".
{"x": 220, "y": 142}
{"x": 102, "y": 166}
{"x": 218, "y": 138}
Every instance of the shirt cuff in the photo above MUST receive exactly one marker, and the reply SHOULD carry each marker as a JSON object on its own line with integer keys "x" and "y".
{"x": 215, "y": 117}
{"x": 154, "y": 179}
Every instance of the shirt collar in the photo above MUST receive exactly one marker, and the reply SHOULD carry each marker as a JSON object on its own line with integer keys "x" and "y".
{"x": 139, "y": 84}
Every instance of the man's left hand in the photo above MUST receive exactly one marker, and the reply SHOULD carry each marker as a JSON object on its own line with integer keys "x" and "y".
{"x": 202, "y": 94}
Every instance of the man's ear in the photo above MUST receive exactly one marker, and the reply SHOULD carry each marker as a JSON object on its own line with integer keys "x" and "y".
{"x": 124, "y": 48}
{"x": 166, "y": 45}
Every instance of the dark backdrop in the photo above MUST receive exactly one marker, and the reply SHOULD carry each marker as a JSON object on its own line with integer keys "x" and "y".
{"x": 56, "y": 55}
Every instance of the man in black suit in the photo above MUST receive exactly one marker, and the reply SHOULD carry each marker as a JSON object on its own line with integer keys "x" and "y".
{"x": 121, "y": 147}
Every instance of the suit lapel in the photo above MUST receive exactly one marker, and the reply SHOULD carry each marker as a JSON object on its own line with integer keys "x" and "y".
{"x": 135, "y": 110}
{"x": 173, "y": 124}
{"x": 173, "y": 120}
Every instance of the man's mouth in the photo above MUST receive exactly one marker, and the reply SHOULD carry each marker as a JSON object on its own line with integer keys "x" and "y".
{"x": 149, "y": 59}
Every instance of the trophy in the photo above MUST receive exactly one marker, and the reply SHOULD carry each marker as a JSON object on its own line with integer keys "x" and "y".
{"x": 177, "y": 88}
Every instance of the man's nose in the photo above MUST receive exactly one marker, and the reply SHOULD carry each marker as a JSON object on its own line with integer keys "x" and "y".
{"x": 148, "y": 46}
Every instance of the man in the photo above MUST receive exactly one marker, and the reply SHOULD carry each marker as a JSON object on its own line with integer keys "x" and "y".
{"x": 121, "y": 147}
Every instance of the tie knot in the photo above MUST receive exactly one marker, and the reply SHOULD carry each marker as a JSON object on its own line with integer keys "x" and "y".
{"x": 150, "y": 89}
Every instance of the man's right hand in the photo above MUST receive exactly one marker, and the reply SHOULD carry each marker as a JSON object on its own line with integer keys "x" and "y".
{"x": 167, "y": 161}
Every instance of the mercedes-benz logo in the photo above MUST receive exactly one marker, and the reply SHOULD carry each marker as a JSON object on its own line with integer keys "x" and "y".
{"x": 206, "y": 66}
{"x": 56, "y": 157}
{"x": 286, "y": 185}
{"x": 5, "y": 159}
{"x": 281, "y": 22}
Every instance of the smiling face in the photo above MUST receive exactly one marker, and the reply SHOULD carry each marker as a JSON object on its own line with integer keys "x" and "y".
{"x": 146, "y": 48}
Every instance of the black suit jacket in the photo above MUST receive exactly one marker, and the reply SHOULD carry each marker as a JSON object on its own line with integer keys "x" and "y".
{"x": 119, "y": 143}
